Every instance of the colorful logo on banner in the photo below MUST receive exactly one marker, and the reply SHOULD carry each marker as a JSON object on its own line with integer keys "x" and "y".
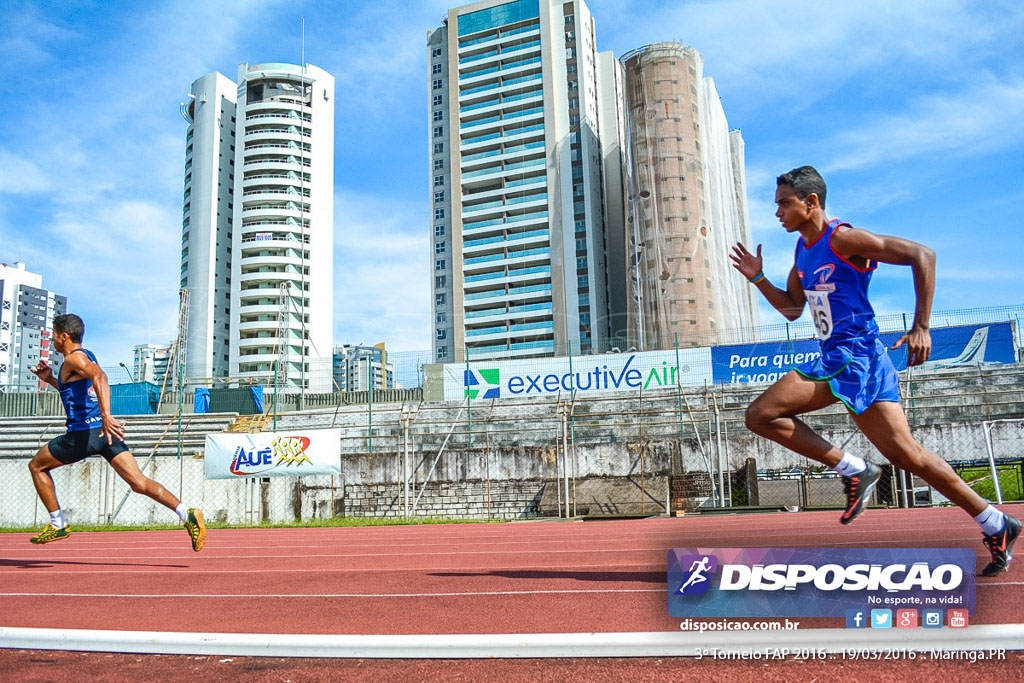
{"x": 850, "y": 583}
{"x": 270, "y": 454}
{"x": 486, "y": 381}
{"x": 283, "y": 450}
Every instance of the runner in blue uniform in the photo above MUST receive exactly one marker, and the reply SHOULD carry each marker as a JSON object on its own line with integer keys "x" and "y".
{"x": 91, "y": 430}
{"x": 834, "y": 262}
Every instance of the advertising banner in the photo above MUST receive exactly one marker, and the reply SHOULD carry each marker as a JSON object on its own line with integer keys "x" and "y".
{"x": 818, "y": 582}
{"x": 607, "y": 372}
{"x": 273, "y": 454}
{"x": 964, "y": 345}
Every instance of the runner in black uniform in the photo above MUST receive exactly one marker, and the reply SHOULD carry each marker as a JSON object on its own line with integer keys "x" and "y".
{"x": 91, "y": 430}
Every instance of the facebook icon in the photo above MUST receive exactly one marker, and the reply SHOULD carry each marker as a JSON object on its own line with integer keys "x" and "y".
{"x": 856, "y": 618}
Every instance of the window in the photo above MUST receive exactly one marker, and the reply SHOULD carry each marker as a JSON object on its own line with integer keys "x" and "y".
{"x": 436, "y": 52}
{"x": 439, "y": 181}
{"x": 442, "y": 335}
{"x": 438, "y": 231}
{"x": 439, "y": 115}
{"x": 439, "y": 264}
{"x": 584, "y": 318}
{"x": 441, "y": 281}
{"x": 438, "y": 100}
{"x": 438, "y": 164}
{"x": 582, "y": 281}
{"x": 438, "y": 147}
{"x": 440, "y": 299}
{"x": 441, "y": 317}
{"x": 437, "y": 84}
{"x": 581, "y": 262}
{"x": 438, "y": 131}
{"x": 438, "y": 214}
{"x": 439, "y": 196}
{"x": 442, "y": 352}
{"x": 435, "y": 68}
{"x": 439, "y": 248}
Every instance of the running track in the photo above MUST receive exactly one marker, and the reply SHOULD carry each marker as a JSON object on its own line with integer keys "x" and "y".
{"x": 534, "y": 577}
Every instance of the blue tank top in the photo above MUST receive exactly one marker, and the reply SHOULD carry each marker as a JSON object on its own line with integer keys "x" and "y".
{"x": 837, "y": 292}
{"x": 79, "y": 399}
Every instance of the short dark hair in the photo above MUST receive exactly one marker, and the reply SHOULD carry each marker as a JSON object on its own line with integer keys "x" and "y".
{"x": 70, "y": 323}
{"x": 804, "y": 180}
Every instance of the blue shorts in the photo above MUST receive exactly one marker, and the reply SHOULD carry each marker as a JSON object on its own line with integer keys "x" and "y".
{"x": 858, "y": 377}
{"x": 78, "y": 445}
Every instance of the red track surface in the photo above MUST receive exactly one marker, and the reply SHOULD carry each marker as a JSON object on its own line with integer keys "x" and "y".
{"x": 541, "y": 577}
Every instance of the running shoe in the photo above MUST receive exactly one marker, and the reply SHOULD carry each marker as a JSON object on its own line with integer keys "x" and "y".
{"x": 858, "y": 489}
{"x": 1001, "y": 547}
{"x": 196, "y": 528}
{"x": 50, "y": 533}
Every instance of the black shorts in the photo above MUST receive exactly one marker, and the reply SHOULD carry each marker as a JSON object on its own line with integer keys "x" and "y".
{"x": 74, "y": 446}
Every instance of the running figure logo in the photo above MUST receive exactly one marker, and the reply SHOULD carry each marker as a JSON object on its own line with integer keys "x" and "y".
{"x": 697, "y": 580}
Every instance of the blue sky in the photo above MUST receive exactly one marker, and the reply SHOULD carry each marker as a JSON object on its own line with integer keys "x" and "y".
{"x": 913, "y": 111}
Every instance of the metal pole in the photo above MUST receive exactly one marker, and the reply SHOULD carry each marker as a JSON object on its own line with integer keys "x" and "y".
{"x": 992, "y": 462}
{"x": 721, "y": 455}
{"x": 679, "y": 398}
{"x": 565, "y": 455}
{"x": 181, "y": 407}
{"x": 369, "y": 399}
{"x": 469, "y": 409}
{"x": 558, "y": 475}
{"x": 641, "y": 434}
{"x": 405, "y": 468}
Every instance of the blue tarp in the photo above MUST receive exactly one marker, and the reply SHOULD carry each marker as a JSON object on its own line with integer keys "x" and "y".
{"x": 202, "y": 401}
{"x": 257, "y": 397}
{"x": 139, "y": 398}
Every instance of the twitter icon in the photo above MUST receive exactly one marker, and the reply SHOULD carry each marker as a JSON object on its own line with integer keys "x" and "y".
{"x": 881, "y": 618}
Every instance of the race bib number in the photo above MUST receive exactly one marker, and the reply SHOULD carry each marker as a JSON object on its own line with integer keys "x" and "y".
{"x": 821, "y": 313}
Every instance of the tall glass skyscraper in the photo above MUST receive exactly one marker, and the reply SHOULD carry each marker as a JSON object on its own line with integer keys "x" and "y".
{"x": 524, "y": 121}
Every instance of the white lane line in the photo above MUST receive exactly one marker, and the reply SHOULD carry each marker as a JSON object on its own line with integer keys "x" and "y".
{"x": 250, "y": 596}
{"x": 659, "y": 566}
{"x": 516, "y": 645}
{"x": 212, "y": 553}
{"x": 669, "y": 536}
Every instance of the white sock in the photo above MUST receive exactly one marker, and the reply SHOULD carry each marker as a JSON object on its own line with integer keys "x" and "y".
{"x": 991, "y": 521}
{"x": 57, "y": 519}
{"x": 182, "y": 511}
{"x": 850, "y": 465}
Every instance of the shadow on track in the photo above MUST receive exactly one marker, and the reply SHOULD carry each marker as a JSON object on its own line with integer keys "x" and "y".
{"x": 43, "y": 564}
{"x": 640, "y": 577}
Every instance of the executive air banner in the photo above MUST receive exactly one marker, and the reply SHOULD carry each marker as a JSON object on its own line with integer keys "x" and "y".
{"x": 584, "y": 374}
{"x": 273, "y": 454}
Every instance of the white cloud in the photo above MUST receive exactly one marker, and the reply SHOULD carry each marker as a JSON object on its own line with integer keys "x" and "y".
{"x": 381, "y": 271}
{"x": 797, "y": 53}
{"x": 977, "y": 120}
{"x": 21, "y": 176}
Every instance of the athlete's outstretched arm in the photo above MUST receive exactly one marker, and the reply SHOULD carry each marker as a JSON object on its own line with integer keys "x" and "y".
{"x": 81, "y": 364}
{"x": 44, "y": 373}
{"x": 853, "y": 242}
{"x": 789, "y": 302}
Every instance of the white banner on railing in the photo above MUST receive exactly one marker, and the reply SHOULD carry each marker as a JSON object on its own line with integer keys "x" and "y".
{"x": 273, "y": 454}
{"x": 563, "y": 375}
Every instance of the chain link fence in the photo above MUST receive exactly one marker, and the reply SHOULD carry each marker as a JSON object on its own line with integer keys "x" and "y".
{"x": 656, "y": 447}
